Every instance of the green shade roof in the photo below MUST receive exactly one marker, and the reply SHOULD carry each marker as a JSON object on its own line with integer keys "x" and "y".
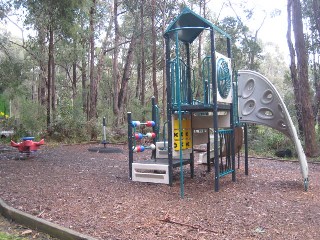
{"x": 189, "y": 26}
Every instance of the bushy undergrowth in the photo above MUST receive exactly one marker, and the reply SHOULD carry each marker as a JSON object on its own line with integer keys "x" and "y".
{"x": 71, "y": 126}
{"x": 267, "y": 141}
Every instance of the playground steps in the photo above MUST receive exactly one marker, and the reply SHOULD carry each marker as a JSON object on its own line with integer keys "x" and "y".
{"x": 150, "y": 172}
{"x": 154, "y": 171}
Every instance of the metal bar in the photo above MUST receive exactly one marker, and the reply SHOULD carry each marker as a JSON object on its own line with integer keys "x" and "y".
{"x": 192, "y": 163}
{"x": 246, "y": 165}
{"x": 130, "y": 144}
{"x": 233, "y": 153}
{"x": 204, "y": 28}
{"x": 215, "y": 110}
{"x": 154, "y": 128}
{"x": 222, "y": 174}
{"x": 169, "y": 105}
{"x": 229, "y": 47}
{"x": 104, "y": 141}
{"x": 189, "y": 92}
{"x": 178, "y": 81}
{"x": 208, "y": 152}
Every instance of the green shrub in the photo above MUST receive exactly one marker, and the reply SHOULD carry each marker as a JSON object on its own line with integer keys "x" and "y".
{"x": 5, "y": 236}
{"x": 266, "y": 141}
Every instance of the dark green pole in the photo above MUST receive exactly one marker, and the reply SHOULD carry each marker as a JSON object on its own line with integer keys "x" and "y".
{"x": 169, "y": 107}
{"x": 130, "y": 144}
{"x": 246, "y": 165}
{"x": 215, "y": 111}
{"x": 154, "y": 128}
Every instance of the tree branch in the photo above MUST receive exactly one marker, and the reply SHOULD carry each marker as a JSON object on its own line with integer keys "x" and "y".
{"x": 168, "y": 220}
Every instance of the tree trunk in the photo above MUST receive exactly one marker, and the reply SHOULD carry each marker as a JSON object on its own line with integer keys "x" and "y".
{"x": 43, "y": 68}
{"x": 126, "y": 75}
{"x": 311, "y": 147}
{"x": 84, "y": 84}
{"x": 293, "y": 72}
{"x": 115, "y": 74}
{"x": 101, "y": 59}
{"x": 201, "y": 7}
{"x": 74, "y": 81}
{"x": 93, "y": 82}
{"x": 138, "y": 80}
{"x": 316, "y": 15}
{"x": 164, "y": 87}
{"x": 49, "y": 77}
{"x": 154, "y": 53}
{"x": 53, "y": 84}
{"x": 143, "y": 60}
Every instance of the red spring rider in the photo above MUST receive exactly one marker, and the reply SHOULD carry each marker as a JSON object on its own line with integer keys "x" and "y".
{"x": 27, "y": 145}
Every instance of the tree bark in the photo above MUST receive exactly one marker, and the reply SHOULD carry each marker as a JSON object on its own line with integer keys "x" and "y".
{"x": 154, "y": 53}
{"x": 53, "y": 84}
{"x": 93, "y": 81}
{"x": 49, "y": 82}
{"x": 164, "y": 80}
{"x": 43, "y": 68}
{"x": 311, "y": 147}
{"x": 126, "y": 76}
{"x": 115, "y": 68}
{"x": 138, "y": 80}
{"x": 293, "y": 71}
{"x": 200, "y": 49}
{"x": 316, "y": 15}
{"x": 74, "y": 81}
{"x": 143, "y": 60}
{"x": 84, "y": 84}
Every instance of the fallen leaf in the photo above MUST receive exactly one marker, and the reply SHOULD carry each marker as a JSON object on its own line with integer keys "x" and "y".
{"x": 26, "y": 232}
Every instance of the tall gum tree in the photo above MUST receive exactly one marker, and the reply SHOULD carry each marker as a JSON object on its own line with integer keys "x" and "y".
{"x": 303, "y": 87}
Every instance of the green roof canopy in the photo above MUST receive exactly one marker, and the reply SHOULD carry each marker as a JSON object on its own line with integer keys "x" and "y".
{"x": 190, "y": 25}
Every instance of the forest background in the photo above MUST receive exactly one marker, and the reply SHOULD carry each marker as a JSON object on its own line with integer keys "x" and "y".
{"x": 79, "y": 61}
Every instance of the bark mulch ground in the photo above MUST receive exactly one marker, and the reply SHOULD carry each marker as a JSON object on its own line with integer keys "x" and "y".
{"x": 90, "y": 192}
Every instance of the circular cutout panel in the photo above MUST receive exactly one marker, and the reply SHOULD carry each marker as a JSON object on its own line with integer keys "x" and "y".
{"x": 267, "y": 97}
{"x": 223, "y": 78}
{"x": 248, "y": 107}
{"x": 265, "y": 113}
{"x": 248, "y": 88}
{"x": 281, "y": 124}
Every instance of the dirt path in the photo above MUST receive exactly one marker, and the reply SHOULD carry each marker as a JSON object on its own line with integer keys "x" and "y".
{"x": 91, "y": 193}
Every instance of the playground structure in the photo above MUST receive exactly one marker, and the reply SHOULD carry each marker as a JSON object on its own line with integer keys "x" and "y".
{"x": 27, "y": 146}
{"x": 219, "y": 102}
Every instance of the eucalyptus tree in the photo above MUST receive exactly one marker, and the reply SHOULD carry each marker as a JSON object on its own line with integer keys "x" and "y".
{"x": 12, "y": 71}
{"x": 311, "y": 16}
{"x": 122, "y": 70}
{"x": 234, "y": 28}
{"x": 50, "y": 19}
{"x": 299, "y": 75}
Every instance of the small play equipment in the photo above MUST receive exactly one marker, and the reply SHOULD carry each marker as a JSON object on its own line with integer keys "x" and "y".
{"x": 156, "y": 169}
{"x": 211, "y": 110}
{"x": 104, "y": 140}
{"x": 104, "y": 149}
{"x": 27, "y": 146}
